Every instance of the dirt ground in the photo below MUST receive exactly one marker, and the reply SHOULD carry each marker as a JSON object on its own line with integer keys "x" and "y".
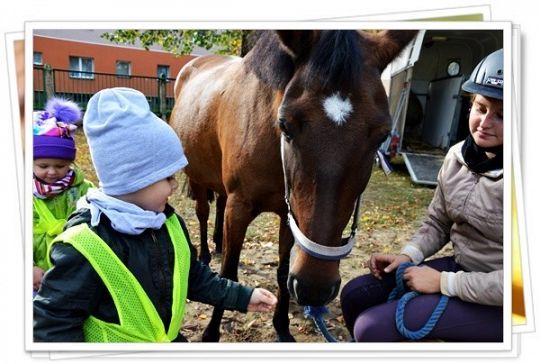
{"x": 258, "y": 268}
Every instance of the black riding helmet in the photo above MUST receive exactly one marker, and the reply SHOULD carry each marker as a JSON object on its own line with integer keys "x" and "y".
{"x": 487, "y": 77}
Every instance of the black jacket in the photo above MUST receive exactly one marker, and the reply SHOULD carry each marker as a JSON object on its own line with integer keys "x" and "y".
{"x": 71, "y": 290}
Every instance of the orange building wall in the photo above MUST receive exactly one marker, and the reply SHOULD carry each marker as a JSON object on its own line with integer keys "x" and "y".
{"x": 56, "y": 52}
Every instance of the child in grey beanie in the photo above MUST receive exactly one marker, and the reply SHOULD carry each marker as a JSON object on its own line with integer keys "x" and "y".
{"x": 124, "y": 266}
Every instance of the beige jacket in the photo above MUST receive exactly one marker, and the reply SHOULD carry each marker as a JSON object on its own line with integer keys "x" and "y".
{"x": 467, "y": 210}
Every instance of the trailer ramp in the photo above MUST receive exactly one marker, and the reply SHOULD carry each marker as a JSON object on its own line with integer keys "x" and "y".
{"x": 423, "y": 168}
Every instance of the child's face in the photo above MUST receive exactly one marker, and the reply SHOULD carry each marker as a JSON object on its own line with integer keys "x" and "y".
{"x": 51, "y": 170}
{"x": 153, "y": 197}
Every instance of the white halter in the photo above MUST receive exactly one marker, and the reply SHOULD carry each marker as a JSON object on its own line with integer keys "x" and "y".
{"x": 312, "y": 248}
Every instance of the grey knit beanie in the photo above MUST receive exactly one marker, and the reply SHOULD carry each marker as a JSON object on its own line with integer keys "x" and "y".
{"x": 131, "y": 147}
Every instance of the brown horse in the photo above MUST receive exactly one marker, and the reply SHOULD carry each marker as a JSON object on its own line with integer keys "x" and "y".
{"x": 291, "y": 128}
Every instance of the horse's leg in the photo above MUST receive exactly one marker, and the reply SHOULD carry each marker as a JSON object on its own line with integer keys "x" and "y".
{"x": 218, "y": 226}
{"x": 238, "y": 215}
{"x": 202, "y": 209}
{"x": 281, "y": 315}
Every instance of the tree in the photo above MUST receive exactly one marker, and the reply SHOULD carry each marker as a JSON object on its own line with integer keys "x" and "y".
{"x": 178, "y": 42}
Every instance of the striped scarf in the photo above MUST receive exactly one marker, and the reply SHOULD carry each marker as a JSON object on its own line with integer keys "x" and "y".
{"x": 44, "y": 190}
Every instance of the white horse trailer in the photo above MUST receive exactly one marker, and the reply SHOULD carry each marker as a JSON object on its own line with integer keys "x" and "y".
{"x": 429, "y": 110}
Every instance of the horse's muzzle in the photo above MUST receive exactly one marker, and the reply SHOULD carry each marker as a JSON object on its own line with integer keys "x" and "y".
{"x": 312, "y": 294}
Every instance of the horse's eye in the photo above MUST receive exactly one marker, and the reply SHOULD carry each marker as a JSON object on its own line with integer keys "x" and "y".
{"x": 283, "y": 125}
{"x": 284, "y": 129}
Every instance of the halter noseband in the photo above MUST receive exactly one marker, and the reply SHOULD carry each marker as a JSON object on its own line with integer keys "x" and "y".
{"x": 310, "y": 247}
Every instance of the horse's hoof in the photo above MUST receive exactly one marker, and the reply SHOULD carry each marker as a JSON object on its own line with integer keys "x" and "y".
{"x": 210, "y": 337}
{"x": 286, "y": 338}
{"x": 205, "y": 259}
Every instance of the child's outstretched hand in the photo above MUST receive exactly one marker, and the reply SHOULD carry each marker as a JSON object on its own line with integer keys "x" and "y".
{"x": 262, "y": 301}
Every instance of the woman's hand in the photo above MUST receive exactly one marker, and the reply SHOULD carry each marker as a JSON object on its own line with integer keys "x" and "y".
{"x": 38, "y": 276}
{"x": 386, "y": 263}
{"x": 423, "y": 279}
{"x": 262, "y": 301}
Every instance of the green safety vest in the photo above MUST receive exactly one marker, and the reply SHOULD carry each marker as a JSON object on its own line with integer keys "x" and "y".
{"x": 51, "y": 214}
{"x": 49, "y": 226}
{"x": 139, "y": 320}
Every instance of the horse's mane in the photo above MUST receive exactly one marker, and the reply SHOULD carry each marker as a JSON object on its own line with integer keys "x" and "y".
{"x": 333, "y": 62}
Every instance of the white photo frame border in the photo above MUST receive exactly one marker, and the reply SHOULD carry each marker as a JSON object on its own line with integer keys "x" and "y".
{"x": 298, "y": 349}
{"x": 10, "y": 39}
{"x": 419, "y": 15}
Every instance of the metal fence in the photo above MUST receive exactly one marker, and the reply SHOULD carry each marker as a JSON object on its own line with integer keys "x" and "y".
{"x": 79, "y": 86}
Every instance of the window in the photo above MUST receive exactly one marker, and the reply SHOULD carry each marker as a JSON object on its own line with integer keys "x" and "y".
{"x": 123, "y": 68}
{"x": 453, "y": 68}
{"x": 81, "y": 67}
{"x": 38, "y": 58}
{"x": 163, "y": 71}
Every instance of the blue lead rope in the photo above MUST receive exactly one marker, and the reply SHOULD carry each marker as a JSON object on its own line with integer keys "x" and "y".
{"x": 400, "y": 291}
{"x": 316, "y": 314}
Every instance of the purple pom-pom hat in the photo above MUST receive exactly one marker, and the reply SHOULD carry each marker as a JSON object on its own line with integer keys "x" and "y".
{"x": 52, "y": 129}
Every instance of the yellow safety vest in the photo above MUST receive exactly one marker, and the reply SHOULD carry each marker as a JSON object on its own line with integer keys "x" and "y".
{"x": 139, "y": 320}
{"x": 49, "y": 226}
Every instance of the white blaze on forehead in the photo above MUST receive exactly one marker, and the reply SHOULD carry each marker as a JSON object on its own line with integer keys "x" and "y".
{"x": 337, "y": 108}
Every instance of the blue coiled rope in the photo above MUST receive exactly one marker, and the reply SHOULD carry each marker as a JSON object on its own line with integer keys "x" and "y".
{"x": 400, "y": 291}
{"x": 316, "y": 314}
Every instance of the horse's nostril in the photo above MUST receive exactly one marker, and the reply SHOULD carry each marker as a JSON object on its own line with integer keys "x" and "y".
{"x": 292, "y": 285}
{"x": 295, "y": 287}
{"x": 332, "y": 291}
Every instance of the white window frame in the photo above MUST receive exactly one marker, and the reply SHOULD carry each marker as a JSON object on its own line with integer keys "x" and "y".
{"x": 77, "y": 73}
{"x": 122, "y": 75}
{"x": 163, "y": 66}
{"x": 40, "y": 62}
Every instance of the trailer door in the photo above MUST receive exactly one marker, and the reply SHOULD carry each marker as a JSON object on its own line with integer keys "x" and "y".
{"x": 442, "y": 112}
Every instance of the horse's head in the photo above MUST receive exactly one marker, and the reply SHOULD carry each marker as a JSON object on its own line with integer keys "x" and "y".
{"x": 332, "y": 117}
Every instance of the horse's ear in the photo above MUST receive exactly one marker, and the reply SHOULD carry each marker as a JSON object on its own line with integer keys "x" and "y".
{"x": 297, "y": 42}
{"x": 388, "y": 44}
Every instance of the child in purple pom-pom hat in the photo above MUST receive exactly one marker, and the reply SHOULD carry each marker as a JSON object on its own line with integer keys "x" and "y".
{"x": 57, "y": 183}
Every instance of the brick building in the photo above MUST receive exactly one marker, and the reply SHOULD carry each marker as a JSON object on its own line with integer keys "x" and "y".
{"x": 80, "y": 63}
